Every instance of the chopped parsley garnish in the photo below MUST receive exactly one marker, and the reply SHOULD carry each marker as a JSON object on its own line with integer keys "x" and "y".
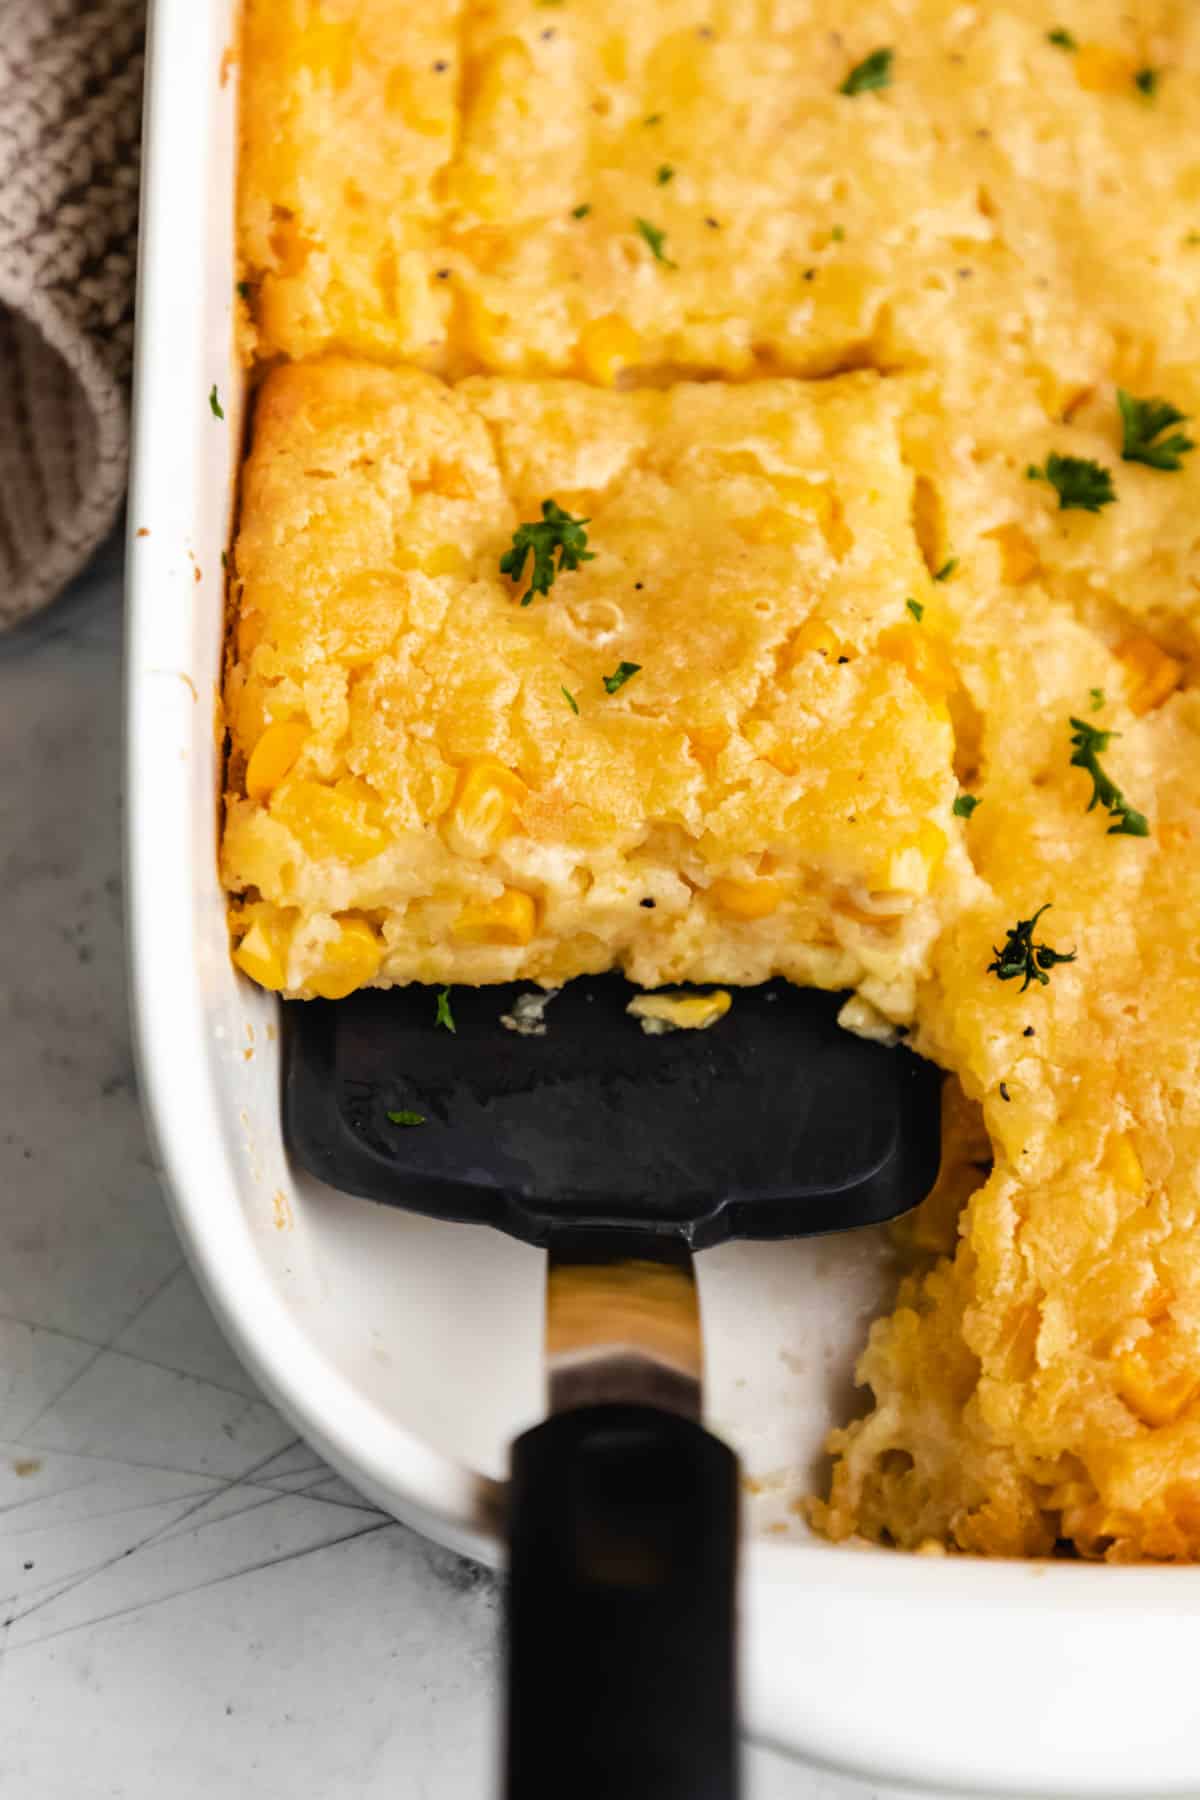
{"x": 1088, "y": 743}
{"x": 623, "y": 672}
{"x": 652, "y": 119}
{"x": 1146, "y": 82}
{"x": 916, "y": 609}
{"x": 243, "y": 288}
{"x": 571, "y": 701}
{"x": 947, "y": 569}
{"x": 403, "y": 1117}
{"x": 872, "y": 73}
{"x": 1080, "y": 484}
{"x": 1061, "y": 39}
{"x": 965, "y": 805}
{"x": 444, "y": 1016}
{"x": 1020, "y": 956}
{"x": 1097, "y": 698}
{"x": 1142, "y": 425}
{"x": 581, "y": 212}
{"x": 838, "y": 234}
{"x": 214, "y": 401}
{"x": 557, "y": 531}
{"x": 663, "y": 174}
{"x": 656, "y": 239}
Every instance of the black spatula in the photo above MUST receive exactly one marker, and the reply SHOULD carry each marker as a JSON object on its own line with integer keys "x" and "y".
{"x": 621, "y": 1153}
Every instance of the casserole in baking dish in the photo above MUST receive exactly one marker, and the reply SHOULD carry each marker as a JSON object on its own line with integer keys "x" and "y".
{"x": 408, "y": 1351}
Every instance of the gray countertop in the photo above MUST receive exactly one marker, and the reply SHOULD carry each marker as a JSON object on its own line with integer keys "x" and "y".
{"x": 193, "y": 1606}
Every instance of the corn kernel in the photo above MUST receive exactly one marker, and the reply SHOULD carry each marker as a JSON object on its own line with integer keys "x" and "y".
{"x": 747, "y": 899}
{"x": 1100, "y": 70}
{"x": 923, "y": 657}
{"x": 1123, "y": 1163}
{"x": 348, "y": 962}
{"x": 815, "y": 638}
{"x": 1157, "y": 1378}
{"x": 341, "y": 821}
{"x": 679, "y": 1012}
{"x": 1150, "y": 674}
{"x": 481, "y": 813}
{"x": 437, "y": 559}
{"x": 262, "y": 954}
{"x": 911, "y": 867}
{"x": 606, "y": 347}
{"x": 273, "y": 756}
{"x": 1018, "y": 553}
{"x": 326, "y": 47}
{"x": 512, "y": 919}
{"x": 414, "y": 102}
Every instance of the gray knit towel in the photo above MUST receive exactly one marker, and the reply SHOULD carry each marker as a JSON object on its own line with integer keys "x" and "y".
{"x": 70, "y": 124}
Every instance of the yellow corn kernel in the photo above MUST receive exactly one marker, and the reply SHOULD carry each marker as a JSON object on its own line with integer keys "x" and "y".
{"x": 342, "y": 821}
{"x": 911, "y": 867}
{"x": 436, "y": 559}
{"x": 348, "y": 962}
{"x": 1150, "y": 674}
{"x": 1018, "y": 553}
{"x": 1122, "y": 1162}
{"x": 272, "y": 757}
{"x": 1157, "y": 1378}
{"x": 326, "y": 47}
{"x": 606, "y": 347}
{"x": 481, "y": 813}
{"x": 815, "y": 638}
{"x": 483, "y": 331}
{"x": 1103, "y": 71}
{"x": 262, "y": 954}
{"x": 923, "y": 657}
{"x": 747, "y": 899}
{"x": 613, "y": 58}
{"x": 416, "y": 102}
{"x": 679, "y": 1012}
{"x": 250, "y": 628}
{"x": 512, "y": 919}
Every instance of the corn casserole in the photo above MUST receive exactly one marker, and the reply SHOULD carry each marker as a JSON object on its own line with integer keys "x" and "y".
{"x": 721, "y": 505}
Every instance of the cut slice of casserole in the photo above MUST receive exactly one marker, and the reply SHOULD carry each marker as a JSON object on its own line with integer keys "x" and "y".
{"x": 439, "y": 775}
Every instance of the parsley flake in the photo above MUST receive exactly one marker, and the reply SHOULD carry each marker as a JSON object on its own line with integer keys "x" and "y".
{"x": 1021, "y": 956}
{"x": 214, "y": 401}
{"x": 872, "y": 73}
{"x": 1061, "y": 39}
{"x": 656, "y": 239}
{"x": 663, "y": 174}
{"x": 623, "y": 672}
{"x": 652, "y": 119}
{"x": 1097, "y": 698}
{"x": 965, "y": 805}
{"x": 1142, "y": 423}
{"x": 444, "y": 1016}
{"x": 1081, "y": 485}
{"x": 243, "y": 288}
{"x": 916, "y": 609}
{"x": 581, "y": 212}
{"x": 557, "y": 531}
{"x": 1146, "y": 82}
{"x": 571, "y": 701}
{"x": 403, "y": 1117}
{"x": 947, "y": 569}
{"x": 838, "y": 234}
{"x": 1088, "y": 742}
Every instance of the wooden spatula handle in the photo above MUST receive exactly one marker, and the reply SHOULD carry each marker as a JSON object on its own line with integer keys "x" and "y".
{"x": 623, "y": 1558}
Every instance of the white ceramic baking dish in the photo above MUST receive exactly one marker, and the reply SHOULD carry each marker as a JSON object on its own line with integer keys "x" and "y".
{"x": 408, "y": 1351}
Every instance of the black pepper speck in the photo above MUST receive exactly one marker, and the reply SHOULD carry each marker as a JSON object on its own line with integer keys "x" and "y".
{"x": 1004, "y": 1093}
